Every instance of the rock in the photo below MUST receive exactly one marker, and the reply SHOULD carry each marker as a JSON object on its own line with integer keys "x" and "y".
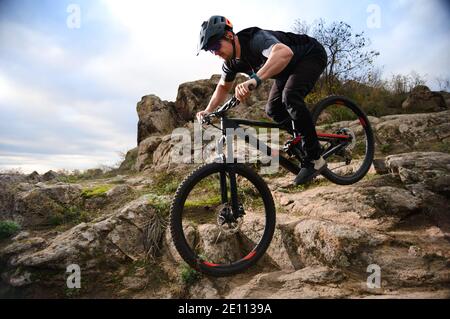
{"x": 217, "y": 246}
{"x": 282, "y": 251}
{"x": 430, "y": 168}
{"x": 134, "y": 283}
{"x": 21, "y": 245}
{"x": 405, "y": 132}
{"x": 145, "y": 152}
{"x": 422, "y": 99}
{"x": 17, "y": 279}
{"x": 41, "y": 206}
{"x": 332, "y": 244}
{"x": 21, "y": 235}
{"x": 194, "y": 96}
{"x": 129, "y": 162}
{"x": 380, "y": 166}
{"x": 204, "y": 289}
{"x": 34, "y": 177}
{"x": 309, "y": 282}
{"x": 155, "y": 116}
{"x": 367, "y": 206}
{"x": 117, "y": 238}
{"x": 50, "y": 175}
{"x": 118, "y": 191}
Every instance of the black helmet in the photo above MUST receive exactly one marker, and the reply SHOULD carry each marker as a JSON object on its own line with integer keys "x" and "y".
{"x": 213, "y": 29}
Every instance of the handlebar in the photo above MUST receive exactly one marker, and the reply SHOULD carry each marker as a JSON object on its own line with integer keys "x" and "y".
{"x": 233, "y": 102}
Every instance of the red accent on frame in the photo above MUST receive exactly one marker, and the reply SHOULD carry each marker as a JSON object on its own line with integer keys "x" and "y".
{"x": 333, "y": 135}
{"x": 210, "y": 264}
{"x": 250, "y": 256}
{"x": 340, "y": 102}
{"x": 361, "y": 120}
{"x": 296, "y": 140}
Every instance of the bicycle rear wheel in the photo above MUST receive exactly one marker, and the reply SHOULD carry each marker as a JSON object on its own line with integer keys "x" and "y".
{"x": 346, "y": 136}
{"x": 206, "y": 235}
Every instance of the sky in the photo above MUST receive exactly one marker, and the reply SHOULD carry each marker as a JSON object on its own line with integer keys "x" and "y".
{"x": 71, "y": 72}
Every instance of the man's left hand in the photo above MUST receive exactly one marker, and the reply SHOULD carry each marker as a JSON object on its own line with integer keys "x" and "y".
{"x": 242, "y": 91}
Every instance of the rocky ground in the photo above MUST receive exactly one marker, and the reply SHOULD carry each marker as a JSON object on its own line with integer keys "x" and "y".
{"x": 328, "y": 238}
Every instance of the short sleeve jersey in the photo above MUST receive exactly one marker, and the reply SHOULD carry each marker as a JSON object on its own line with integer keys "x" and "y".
{"x": 256, "y": 45}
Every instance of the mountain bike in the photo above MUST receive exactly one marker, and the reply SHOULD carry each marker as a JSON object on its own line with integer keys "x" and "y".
{"x": 222, "y": 217}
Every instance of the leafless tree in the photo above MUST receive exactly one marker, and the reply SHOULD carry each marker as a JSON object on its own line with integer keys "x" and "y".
{"x": 348, "y": 54}
{"x": 443, "y": 83}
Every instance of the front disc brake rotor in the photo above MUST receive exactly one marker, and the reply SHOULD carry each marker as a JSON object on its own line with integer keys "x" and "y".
{"x": 226, "y": 221}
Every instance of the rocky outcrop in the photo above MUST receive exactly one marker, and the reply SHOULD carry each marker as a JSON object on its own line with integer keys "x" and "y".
{"x": 325, "y": 239}
{"x": 155, "y": 117}
{"x": 107, "y": 242}
{"x": 394, "y": 134}
{"x": 129, "y": 161}
{"x": 422, "y": 99}
{"x": 194, "y": 96}
{"x": 409, "y": 132}
{"x": 145, "y": 152}
{"x": 36, "y": 204}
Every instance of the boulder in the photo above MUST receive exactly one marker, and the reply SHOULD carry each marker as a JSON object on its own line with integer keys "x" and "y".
{"x": 194, "y": 96}
{"x": 430, "y": 168}
{"x": 145, "y": 152}
{"x": 43, "y": 205}
{"x": 422, "y": 99}
{"x": 155, "y": 117}
{"x": 406, "y": 132}
{"x": 332, "y": 244}
{"x": 308, "y": 282}
{"x": 129, "y": 162}
{"x": 113, "y": 239}
{"x": 49, "y": 176}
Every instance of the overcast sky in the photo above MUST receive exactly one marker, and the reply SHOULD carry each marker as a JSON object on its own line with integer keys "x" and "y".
{"x": 69, "y": 87}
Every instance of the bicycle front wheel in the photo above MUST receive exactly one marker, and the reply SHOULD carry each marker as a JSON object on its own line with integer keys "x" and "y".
{"x": 346, "y": 137}
{"x": 212, "y": 236}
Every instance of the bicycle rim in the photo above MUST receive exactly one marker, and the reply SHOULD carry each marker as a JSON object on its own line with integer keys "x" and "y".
{"x": 207, "y": 237}
{"x": 336, "y": 117}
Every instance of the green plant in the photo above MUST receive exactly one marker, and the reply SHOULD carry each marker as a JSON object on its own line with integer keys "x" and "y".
{"x": 201, "y": 202}
{"x": 8, "y": 228}
{"x": 71, "y": 215}
{"x": 160, "y": 203}
{"x": 96, "y": 191}
{"x": 188, "y": 275}
{"x": 385, "y": 148}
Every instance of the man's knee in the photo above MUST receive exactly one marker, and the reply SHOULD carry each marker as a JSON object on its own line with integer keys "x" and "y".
{"x": 275, "y": 112}
{"x": 292, "y": 97}
{"x": 295, "y": 103}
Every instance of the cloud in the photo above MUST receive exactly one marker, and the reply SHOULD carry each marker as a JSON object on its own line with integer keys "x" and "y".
{"x": 414, "y": 36}
{"x": 68, "y": 97}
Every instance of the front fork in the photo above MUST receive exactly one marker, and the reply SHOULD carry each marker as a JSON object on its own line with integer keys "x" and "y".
{"x": 228, "y": 168}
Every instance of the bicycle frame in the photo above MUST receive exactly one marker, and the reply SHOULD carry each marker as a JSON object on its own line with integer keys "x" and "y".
{"x": 234, "y": 123}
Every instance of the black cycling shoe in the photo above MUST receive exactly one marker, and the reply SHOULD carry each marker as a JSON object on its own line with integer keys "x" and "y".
{"x": 310, "y": 170}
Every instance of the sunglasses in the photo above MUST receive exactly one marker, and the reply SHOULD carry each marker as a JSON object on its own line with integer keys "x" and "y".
{"x": 214, "y": 47}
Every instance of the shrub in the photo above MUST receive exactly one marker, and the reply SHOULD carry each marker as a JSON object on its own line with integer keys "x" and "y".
{"x": 188, "y": 275}
{"x": 96, "y": 191}
{"x": 8, "y": 228}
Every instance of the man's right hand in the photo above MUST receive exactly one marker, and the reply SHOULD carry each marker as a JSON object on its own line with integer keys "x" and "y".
{"x": 200, "y": 115}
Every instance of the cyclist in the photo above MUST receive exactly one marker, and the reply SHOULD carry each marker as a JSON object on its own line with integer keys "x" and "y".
{"x": 295, "y": 61}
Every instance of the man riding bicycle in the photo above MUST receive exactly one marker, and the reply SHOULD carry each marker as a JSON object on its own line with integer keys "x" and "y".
{"x": 295, "y": 61}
